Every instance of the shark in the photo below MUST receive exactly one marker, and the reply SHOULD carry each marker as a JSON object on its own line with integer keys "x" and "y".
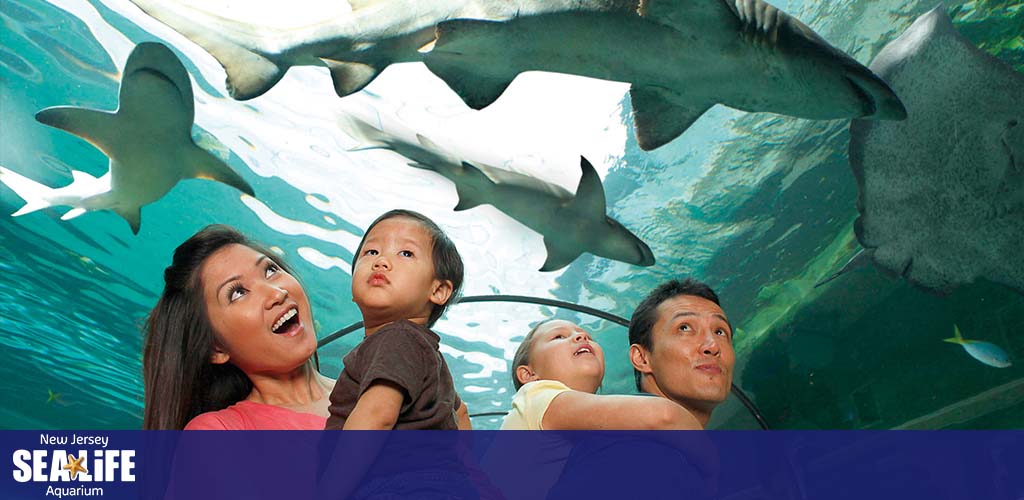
{"x": 941, "y": 195}
{"x": 680, "y": 59}
{"x": 355, "y": 46}
{"x": 147, "y": 139}
{"x": 571, "y": 224}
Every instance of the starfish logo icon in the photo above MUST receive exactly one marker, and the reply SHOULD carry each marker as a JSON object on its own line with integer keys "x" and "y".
{"x": 75, "y": 466}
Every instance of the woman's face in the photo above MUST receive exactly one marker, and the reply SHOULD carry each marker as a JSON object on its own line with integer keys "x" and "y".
{"x": 259, "y": 312}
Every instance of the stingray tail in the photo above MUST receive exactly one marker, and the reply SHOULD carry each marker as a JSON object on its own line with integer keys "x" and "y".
{"x": 235, "y": 45}
{"x": 860, "y": 259}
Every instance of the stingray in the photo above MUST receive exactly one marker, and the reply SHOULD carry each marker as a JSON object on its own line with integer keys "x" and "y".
{"x": 941, "y": 195}
{"x": 148, "y": 140}
{"x": 570, "y": 224}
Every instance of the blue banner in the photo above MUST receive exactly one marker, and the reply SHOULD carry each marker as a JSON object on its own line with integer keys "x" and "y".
{"x": 751, "y": 465}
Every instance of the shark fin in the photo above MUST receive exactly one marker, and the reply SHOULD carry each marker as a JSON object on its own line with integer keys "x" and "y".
{"x": 131, "y": 215}
{"x": 207, "y": 166}
{"x": 89, "y": 124}
{"x": 350, "y": 77}
{"x": 476, "y": 91}
{"x": 427, "y": 143}
{"x": 74, "y": 212}
{"x": 589, "y": 197}
{"x": 469, "y": 198}
{"x": 34, "y": 193}
{"x": 860, "y": 259}
{"x": 367, "y": 135}
{"x": 234, "y": 44}
{"x": 249, "y": 74}
{"x": 556, "y": 260}
{"x": 421, "y": 166}
{"x": 659, "y": 120}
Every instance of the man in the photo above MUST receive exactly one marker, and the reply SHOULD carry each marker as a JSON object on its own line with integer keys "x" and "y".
{"x": 681, "y": 347}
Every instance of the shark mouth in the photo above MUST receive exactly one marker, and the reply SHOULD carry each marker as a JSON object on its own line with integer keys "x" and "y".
{"x": 288, "y": 323}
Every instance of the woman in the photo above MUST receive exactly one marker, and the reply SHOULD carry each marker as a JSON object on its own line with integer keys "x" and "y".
{"x": 230, "y": 344}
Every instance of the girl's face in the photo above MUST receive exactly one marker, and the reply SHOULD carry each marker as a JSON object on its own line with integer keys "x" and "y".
{"x": 259, "y": 312}
{"x": 394, "y": 277}
{"x": 564, "y": 352}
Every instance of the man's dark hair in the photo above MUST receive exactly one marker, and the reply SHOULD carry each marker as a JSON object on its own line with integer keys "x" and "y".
{"x": 646, "y": 314}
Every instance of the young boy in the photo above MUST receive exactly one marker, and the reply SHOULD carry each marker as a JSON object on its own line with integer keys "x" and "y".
{"x": 556, "y": 372}
{"x": 404, "y": 273}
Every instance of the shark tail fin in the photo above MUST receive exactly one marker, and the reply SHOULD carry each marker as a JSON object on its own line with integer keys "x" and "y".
{"x": 367, "y": 135}
{"x": 232, "y": 43}
{"x": 350, "y": 77}
{"x": 957, "y": 338}
{"x": 455, "y": 39}
{"x": 557, "y": 259}
{"x": 469, "y": 198}
{"x": 860, "y": 259}
{"x": 36, "y": 195}
{"x": 658, "y": 120}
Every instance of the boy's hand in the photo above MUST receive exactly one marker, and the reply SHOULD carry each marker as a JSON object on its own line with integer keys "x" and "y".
{"x": 463, "y": 417}
{"x": 377, "y": 408}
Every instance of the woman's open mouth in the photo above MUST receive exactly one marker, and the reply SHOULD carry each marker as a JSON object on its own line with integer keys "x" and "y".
{"x": 288, "y": 323}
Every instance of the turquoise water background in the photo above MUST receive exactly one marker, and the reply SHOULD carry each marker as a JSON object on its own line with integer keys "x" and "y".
{"x": 760, "y": 206}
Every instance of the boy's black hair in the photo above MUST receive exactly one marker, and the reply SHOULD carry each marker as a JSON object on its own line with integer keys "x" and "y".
{"x": 646, "y": 314}
{"x": 446, "y": 259}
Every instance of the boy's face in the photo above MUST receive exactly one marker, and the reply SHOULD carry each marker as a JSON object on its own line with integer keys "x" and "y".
{"x": 393, "y": 277}
{"x": 563, "y": 351}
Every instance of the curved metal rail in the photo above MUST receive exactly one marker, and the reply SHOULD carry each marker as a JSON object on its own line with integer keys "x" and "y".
{"x": 747, "y": 403}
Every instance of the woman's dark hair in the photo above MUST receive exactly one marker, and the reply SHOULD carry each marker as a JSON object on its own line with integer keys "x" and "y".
{"x": 522, "y": 356}
{"x": 646, "y": 314}
{"x": 180, "y": 381}
{"x": 447, "y": 261}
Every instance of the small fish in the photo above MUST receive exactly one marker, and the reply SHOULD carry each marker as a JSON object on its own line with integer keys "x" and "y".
{"x": 55, "y": 397}
{"x": 986, "y": 352}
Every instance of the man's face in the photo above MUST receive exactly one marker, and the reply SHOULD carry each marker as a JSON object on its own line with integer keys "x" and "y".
{"x": 692, "y": 357}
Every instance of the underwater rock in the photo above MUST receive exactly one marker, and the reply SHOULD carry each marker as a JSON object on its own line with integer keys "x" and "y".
{"x": 148, "y": 140}
{"x": 941, "y": 195}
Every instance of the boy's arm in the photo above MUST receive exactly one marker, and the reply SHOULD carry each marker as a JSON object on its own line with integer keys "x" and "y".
{"x": 463, "y": 420}
{"x": 377, "y": 408}
{"x": 575, "y": 410}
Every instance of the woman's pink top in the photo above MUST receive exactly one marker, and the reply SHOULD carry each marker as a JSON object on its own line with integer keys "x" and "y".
{"x": 247, "y": 415}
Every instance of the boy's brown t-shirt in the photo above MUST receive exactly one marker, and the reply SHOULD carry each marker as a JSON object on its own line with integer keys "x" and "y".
{"x": 407, "y": 355}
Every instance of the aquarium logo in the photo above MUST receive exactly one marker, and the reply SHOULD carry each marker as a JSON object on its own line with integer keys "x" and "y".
{"x": 93, "y": 462}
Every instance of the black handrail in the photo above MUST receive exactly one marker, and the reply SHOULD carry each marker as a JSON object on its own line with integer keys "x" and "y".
{"x": 747, "y": 403}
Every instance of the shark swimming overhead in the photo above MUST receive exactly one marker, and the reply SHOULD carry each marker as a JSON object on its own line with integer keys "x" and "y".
{"x": 570, "y": 224}
{"x": 355, "y": 46}
{"x": 148, "y": 140}
{"x": 941, "y": 195}
{"x": 681, "y": 58}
